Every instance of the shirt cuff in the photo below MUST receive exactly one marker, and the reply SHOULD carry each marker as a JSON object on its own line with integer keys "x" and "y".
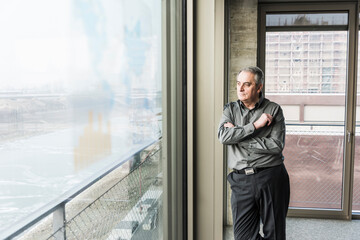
{"x": 249, "y": 128}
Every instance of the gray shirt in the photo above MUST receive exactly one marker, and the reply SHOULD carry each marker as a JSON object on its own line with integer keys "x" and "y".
{"x": 250, "y": 147}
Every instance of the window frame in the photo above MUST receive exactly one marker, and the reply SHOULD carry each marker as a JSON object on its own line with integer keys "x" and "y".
{"x": 352, "y": 9}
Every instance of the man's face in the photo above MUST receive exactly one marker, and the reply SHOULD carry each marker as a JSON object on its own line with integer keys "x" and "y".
{"x": 247, "y": 90}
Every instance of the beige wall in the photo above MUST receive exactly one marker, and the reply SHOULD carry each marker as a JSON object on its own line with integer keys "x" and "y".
{"x": 242, "y": 51}
{"x": 209, "y": 97}
{"x": 312, "y": 107}
{"x": 291, "y": 112}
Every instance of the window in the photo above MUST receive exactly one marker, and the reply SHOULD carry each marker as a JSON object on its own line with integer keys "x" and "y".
{"x": 320, "y": 89}
{"x": 81, "y": 93}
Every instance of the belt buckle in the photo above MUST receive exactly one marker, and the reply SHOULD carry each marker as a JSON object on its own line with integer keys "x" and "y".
{"x": 249, "y": 171}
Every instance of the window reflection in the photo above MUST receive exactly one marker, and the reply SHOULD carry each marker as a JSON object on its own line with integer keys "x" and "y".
{"x": 80, "y": 89}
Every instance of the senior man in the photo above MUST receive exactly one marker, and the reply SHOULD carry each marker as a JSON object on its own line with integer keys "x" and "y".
{"x": 253, "y": 128}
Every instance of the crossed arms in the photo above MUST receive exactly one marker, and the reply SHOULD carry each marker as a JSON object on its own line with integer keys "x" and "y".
{"x": 264, "y": 135}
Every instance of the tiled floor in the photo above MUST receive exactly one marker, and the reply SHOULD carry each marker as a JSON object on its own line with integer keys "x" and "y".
{"x": 316, "y": 229}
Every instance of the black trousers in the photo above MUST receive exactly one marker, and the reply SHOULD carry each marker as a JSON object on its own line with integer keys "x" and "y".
{"x": 264, "y": 195}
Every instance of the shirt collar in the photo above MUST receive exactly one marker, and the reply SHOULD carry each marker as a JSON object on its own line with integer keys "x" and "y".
{"x": 261, "y": 99}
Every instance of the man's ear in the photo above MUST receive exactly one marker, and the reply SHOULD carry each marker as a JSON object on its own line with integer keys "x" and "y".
{"x": 260, "y": 86}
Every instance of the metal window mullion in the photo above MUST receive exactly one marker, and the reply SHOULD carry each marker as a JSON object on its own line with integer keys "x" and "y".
{"x": 172, "y": 120}
{"x": 351, "y": 108}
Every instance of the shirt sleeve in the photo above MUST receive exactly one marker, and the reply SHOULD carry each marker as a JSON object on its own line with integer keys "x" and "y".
{"x": 235, "y": 134}
{"x": 273, "y": 142}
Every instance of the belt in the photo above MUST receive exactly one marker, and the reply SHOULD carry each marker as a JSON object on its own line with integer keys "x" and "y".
{"x": 250, "y": 170}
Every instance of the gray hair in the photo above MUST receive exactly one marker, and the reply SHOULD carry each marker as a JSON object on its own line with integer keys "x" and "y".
{"x": 259, "y": 74}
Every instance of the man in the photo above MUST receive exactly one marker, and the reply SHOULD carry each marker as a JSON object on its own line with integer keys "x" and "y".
{"x": 253, "y": 128}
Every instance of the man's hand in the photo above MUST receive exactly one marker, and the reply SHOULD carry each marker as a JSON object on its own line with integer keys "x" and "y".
{"x": 229, "y": 125}
{"x": 264, "y": 120}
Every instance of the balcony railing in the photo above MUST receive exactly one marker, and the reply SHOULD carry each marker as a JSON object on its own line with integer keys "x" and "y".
{"x": 314, "y": 155}
{"x": 117, "y": 203}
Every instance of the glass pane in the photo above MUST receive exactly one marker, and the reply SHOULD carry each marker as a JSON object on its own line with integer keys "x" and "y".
{"x": 356, "y": 190}
{"x": 80, "y": 91}
{"x": 304, "y": 65}
{"x": 308, "y": 19}
{"x": 309, "y": 82}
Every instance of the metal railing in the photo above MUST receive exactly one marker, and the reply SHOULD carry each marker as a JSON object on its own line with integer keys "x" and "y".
{"x": 316, "y": 128}
{"x": 100, "y": 207}
{"x": 314, "y": 159}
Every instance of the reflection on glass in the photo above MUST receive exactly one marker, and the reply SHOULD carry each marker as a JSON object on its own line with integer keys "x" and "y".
{"x": 80, "y": 89}
{"x": 93, "y": 145}
{"x": 308, "y": 19}
{"x": 309, "y": 83}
